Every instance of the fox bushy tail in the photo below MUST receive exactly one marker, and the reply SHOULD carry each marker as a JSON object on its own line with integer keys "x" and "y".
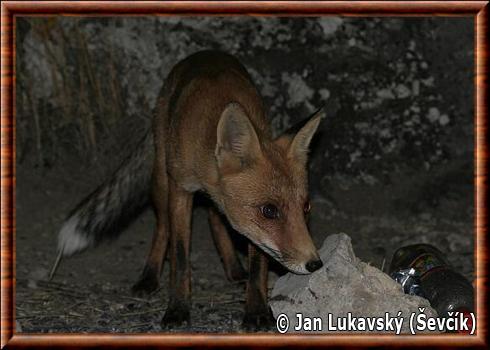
{"x": 111, "y": 207}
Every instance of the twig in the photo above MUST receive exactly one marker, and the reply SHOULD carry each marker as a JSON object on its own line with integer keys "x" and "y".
{"x": 75, "y": 304}
{"x": 143, "y": 312}
{"x": 34, "y": 300}
{"x": 214, "y": 301}
{"x": 55, "y": 266}
{"x": 135, "y": 299}
{"x": 49, "y": 316}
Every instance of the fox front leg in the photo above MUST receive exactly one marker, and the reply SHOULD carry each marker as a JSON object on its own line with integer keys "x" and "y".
{"x": 257, "y": 313}
{"x": 233, "y": 268}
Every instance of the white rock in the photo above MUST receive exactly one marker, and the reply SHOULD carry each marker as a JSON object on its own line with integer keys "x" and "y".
{"x": 324, "y": 93}
{"x": 444, "y": 119}
{"x": 343, "y": 285}
{"x": 433, "y": 114}
{"x": 415, "y": 87}
{"x": 329, "y": 24}
{"x": 402, "y": 91}
{"x": 298, "y": 90}
{"x": 385, "y": 94}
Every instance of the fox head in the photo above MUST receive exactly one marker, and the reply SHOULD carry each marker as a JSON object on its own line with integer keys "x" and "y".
{"x": 263, "y": 186}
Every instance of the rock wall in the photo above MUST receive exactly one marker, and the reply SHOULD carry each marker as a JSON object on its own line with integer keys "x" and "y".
{"x": 398, "y": 92}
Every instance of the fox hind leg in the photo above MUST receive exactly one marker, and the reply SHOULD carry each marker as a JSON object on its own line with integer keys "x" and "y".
{"x": 149, "y": 279}
{"x": 233, "y": 268}
{"x": 180, "y": 205}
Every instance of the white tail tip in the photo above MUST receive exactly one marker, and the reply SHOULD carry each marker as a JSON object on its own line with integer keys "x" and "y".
{"x": 70, "y": 239}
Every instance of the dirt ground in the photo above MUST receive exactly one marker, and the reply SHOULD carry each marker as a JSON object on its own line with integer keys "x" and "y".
{"x": 91, "y": 291}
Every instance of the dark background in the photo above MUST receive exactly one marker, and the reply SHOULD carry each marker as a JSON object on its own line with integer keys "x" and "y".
{"x": 391, "y": 165}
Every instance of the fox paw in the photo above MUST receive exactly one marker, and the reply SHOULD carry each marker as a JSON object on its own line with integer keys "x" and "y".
{"x": 176, "y": 316}
{"x": 258, "y": 321}
{"x": 147, "y": 284}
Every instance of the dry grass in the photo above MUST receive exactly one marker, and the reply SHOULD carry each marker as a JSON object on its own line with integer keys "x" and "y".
{"x": 87, "y": 106}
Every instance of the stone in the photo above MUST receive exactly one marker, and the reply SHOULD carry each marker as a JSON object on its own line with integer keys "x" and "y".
{"x": 344, "y": 285}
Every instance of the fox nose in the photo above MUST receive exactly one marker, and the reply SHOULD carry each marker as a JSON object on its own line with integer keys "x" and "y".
{"x": 314, "y": 265}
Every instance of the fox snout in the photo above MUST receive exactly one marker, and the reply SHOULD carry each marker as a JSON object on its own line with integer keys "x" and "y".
{"x": 314, "y": 265}
{"x": 302, "y": 266}
{"x": 310, "y": 266}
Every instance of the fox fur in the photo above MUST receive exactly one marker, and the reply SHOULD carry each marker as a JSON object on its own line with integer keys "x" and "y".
{"x": 210, "y": 134}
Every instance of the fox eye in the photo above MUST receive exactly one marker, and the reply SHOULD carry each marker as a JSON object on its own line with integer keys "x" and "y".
{"x": 270, "y": 211}
{"x": 307, "y": 207}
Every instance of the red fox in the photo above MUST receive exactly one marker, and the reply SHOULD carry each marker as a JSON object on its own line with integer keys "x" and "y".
{"x": 210, "y": 134}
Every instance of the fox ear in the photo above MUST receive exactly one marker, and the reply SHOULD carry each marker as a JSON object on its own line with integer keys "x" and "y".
{"x": 298, "y": 148}
{"x": 237, "y": 142}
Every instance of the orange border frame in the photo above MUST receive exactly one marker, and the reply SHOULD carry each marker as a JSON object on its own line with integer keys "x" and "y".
{"x": 9, "y": 9}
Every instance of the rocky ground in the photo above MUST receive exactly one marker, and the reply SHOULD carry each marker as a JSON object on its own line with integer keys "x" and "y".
{"x": 91, "y": 291}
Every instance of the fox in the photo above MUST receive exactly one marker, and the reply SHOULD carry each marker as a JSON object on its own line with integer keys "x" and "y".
{"x": 210, "y": 134}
